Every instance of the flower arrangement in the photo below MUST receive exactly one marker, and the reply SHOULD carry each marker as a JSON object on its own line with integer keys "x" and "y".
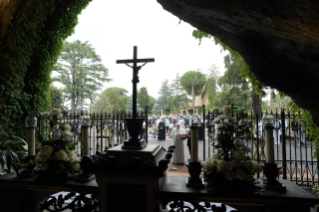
{"x": 230, "y": 169}
{"x": 56, "y": 159}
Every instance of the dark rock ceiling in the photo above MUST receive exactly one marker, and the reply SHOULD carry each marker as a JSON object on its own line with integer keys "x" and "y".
{"x": 278, "y": 39}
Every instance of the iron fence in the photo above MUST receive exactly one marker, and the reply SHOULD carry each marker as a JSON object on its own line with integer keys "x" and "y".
{"x": 106, "y": 129}
{"x": 294, "y": 151}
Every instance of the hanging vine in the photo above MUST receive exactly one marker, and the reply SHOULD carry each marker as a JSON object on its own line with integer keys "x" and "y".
{"x": 29, "y": 49}
{"x": 304, "y": 116}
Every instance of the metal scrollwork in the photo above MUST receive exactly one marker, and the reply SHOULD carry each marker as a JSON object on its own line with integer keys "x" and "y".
{"x": 185, "y": 206}
{"x": 78, "y": 203}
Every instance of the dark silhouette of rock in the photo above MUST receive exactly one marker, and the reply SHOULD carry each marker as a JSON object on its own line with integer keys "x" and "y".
{"x": 278, "y": 39}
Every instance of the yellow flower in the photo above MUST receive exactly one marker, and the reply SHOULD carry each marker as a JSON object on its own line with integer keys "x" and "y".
{"x": 239, "y": 155}
{"x": 46, "y": 150}
{"x": 257, "y": 167}
{"x": 209, "y": 164}
{"x": 65, "y": 127}
{"x": 61, "y": 155}
{"x": 221, "y": 165}
{"x": 75, "y": 165}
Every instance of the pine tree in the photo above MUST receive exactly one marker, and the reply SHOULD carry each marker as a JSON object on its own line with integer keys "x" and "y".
{"x": 143, "y": 98}
{"x": 81, "y": 72}
{"x": 178, "y": 97}
{"x": 163, "y": 99}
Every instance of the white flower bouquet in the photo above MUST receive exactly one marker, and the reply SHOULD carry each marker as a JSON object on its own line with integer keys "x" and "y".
{"x": 230, "y": 169}
{"x": 56, "y": 160}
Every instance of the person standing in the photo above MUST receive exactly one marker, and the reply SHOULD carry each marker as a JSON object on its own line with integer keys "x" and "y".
{"x": 294, "y": 127}
{"x": 167, "y": 124}
{"x": 161, "y": 131}
{"x": 154, "y": 128}
{"x": 276, "y": 130}
{"x": 302, "y": 134}
{"x": 186, "y": 122}
{"x": 179, "y": 153}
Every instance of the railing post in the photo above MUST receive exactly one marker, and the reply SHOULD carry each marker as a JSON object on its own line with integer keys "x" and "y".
{"x": 283, "y": 134}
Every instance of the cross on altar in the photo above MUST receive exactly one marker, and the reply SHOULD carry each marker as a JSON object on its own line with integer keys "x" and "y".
{"x": 135, "y": 73}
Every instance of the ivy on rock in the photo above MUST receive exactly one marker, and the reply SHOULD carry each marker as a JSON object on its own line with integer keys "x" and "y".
{"x": 28, "y": 51}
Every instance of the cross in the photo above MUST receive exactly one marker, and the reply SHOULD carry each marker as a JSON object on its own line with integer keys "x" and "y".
{"x": 135, "y": 68}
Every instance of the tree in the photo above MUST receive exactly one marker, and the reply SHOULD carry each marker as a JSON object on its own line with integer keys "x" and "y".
{"x": 211, "y": 85}
{"x": 234, "y": 88}
{"x": 151, "y": 101}
{"x": 143, "y": 98}
{"x": 112, "y": 99}
{"x": 31, "y": 39}
{"x": 56, "y": 97}
{"x": 178, "y": 97}
{"x": 129, "y": 105}
{"x": 272, "y": 99}
{"x": 162, "y": 100}
{"x": 193, "y": 83}
{"x": 80, "y": 71}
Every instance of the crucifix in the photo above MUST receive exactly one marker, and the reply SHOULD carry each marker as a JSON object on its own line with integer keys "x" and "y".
{"x": 134, "y": 123}
{"x": 135, "y": 73}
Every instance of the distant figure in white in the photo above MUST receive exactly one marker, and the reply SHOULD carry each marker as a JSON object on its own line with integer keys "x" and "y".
{"x": 93, "y": 140}
{"x": 276, "y": 131}
{"x": 179, "y": 153}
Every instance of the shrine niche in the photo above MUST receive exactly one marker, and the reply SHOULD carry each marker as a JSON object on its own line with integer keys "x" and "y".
{"x": 278, "y": 40}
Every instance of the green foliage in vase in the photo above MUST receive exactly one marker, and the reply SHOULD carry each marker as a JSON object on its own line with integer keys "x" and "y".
{"x": 193, "y": 83}
{"x": 28, "y": 51}
{"x": 315, "y": 190}
{"x": 230, "y": 168}
{"x": 56, "y": 159}
{"x": 12, "y": 152}
{"x": 81, "y": 73}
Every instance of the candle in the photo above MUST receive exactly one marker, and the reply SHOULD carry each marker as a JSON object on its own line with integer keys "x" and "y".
{"x": 269, "y": 143}
{"x": 85, "y": 140}
{"x": 194, "y": 143}
{"x": 31, "y": 141}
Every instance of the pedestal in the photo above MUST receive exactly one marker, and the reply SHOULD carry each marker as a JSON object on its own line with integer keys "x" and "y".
{"x": 131, "y": 179}
{"x": 194, "y": 169}
{"x": 271, "y": 170}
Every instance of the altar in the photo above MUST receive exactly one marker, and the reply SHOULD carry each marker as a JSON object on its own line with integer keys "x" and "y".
{"x": 294, "y": 199}
{"x": 23, "y": 195}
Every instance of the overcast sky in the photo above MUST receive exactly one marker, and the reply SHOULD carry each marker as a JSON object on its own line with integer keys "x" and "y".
{"x": 113, "y": 27}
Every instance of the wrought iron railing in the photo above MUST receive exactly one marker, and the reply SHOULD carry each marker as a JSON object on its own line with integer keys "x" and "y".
{"x": 295, "y": 157}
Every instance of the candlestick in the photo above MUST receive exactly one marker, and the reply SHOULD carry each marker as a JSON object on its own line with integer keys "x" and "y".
{"x": 31, "y": 141}
{"x": 85, "y": 140}
{"x": 194, "y": 143}
{"x": 31, "y": 123}
{"x": 269, "y": 143}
